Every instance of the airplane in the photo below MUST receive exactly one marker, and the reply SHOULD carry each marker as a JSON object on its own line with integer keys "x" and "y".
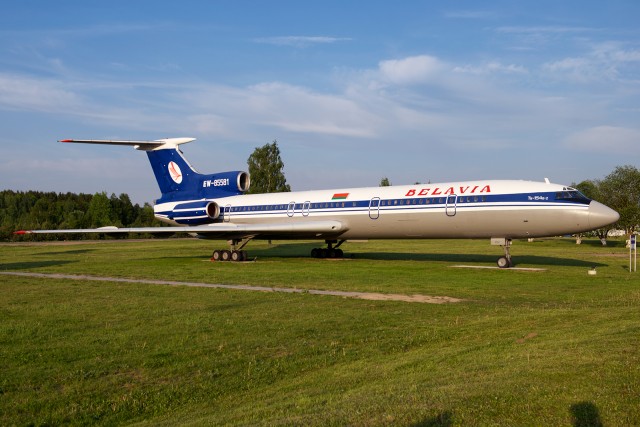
{"x": 215, "y": 206}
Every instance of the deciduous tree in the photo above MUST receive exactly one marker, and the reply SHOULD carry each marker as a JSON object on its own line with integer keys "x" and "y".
{"x": 620, "y": 190}
{"x": 267, "y": 170}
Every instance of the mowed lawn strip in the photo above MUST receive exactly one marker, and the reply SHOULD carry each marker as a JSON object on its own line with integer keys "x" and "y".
{"x": 551, "y": 347}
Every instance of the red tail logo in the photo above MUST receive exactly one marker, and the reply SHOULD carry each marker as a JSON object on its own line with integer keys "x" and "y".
{"x": 175, "y": 172}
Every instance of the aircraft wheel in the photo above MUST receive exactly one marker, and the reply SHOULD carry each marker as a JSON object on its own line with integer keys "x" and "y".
{"x": 503, "y": 262}
{"x": 216, "y": 256}
{"x": 244, "y": 256}
{"x": 339, "y": 253}
{"x": 236, "y": 256}
{"x": 315, "y": 253}
{"x": 323, "y": 253}
{"x": 331, "y": 253}
{"x": 226, "y": 255}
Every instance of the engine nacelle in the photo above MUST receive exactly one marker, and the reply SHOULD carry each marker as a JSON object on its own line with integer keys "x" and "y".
{"x": 232, "y": 183}
{"x": 195, "y": 213}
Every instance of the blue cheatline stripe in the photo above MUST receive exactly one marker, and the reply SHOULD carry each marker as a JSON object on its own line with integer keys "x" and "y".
{"x": 531, "y": 200}
{"x": 410, "y": 208}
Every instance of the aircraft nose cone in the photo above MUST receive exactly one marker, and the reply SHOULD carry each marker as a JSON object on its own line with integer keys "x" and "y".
{"x": 601, "y": 215}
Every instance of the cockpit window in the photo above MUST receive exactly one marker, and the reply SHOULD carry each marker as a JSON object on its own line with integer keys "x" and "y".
{"x": 572, "y": 194}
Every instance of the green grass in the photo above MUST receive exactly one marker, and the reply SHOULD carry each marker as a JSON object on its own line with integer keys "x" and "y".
{"x": 525, "y": 348}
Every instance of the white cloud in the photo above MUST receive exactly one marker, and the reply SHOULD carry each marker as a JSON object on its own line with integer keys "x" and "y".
{"x": 604, "y": 61}
{"x": 491, "y": 68}
{"x": 411, "y": 70}
{"x": 28, "y": 93}
{"x": 606, "y": 139}
{"x": 281, "y": 106}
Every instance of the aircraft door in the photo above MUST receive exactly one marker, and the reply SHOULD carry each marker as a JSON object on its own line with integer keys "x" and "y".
{"x": 306, "y": 207}
{"x": 291, "y": 209}
{"x": 227, "y": 213}
{"x": 450, "y": 207}
{"x": 374, "y": 208}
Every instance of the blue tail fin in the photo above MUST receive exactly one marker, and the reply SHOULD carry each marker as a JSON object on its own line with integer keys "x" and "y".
{"x": 177, "y": 179}
{"x": 175, "y": 176}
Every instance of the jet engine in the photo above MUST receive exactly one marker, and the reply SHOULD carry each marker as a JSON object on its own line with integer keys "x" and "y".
{"x": 195, "y": 213}
{"x": 225, "y": 183}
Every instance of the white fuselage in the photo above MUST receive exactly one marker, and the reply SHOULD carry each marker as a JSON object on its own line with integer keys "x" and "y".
{"x": 474, "y": 209}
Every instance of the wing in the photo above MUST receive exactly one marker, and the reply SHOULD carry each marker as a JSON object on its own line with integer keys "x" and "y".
{"x": 307, "y": 229}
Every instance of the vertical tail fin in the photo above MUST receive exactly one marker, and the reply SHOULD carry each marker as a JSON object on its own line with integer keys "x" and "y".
{"x": 177, "y": 179}
{"x": 173, "y": 173}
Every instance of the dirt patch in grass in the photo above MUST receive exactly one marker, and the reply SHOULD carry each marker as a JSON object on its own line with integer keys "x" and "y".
{"x": 359, "y": 295}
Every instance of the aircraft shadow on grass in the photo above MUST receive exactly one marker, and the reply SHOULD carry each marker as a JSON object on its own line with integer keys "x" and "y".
{"x": 72, "y": 252}
{"x": 300, "y": 251}
{"x": 27, "y": 265}
{"x": 481, "y": 258}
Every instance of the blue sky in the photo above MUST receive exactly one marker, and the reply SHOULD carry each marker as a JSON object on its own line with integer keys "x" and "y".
{"x": 353, "y": 91}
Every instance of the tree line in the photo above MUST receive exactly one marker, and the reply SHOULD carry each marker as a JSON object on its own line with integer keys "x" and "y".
{"x": 33, "y": 210}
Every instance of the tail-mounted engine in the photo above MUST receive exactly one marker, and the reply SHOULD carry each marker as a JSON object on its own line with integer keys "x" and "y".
{"x": 205, "y": 210}
{"x": 225, "y": 183}
{"x": 195, "y": 213}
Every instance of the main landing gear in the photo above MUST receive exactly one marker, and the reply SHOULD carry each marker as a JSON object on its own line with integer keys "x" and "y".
{"x": 225, "y": 255}
{"x": 505, "y": 261}
{"x": 235, "y": 254}
{"x": 330, "y": 251}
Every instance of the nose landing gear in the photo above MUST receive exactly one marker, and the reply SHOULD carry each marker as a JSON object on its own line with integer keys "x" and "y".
{"x": 505, "y": 261}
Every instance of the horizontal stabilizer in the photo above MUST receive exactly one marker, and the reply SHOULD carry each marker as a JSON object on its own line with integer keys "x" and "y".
{"x": 158, "y": 144}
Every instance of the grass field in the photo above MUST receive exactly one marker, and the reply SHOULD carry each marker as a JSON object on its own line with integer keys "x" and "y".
{"x": 552, "y": 347}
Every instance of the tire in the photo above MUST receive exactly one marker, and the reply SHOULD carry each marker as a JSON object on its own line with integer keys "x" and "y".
{"x": 216, "y": 256}
{"x": 226, "y": 255}
{"x": 503, "y": 262}
{"x": 236, "y": 256}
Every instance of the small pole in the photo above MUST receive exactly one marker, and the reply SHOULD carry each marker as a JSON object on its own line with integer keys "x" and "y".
{"x": 632, "y": 248}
